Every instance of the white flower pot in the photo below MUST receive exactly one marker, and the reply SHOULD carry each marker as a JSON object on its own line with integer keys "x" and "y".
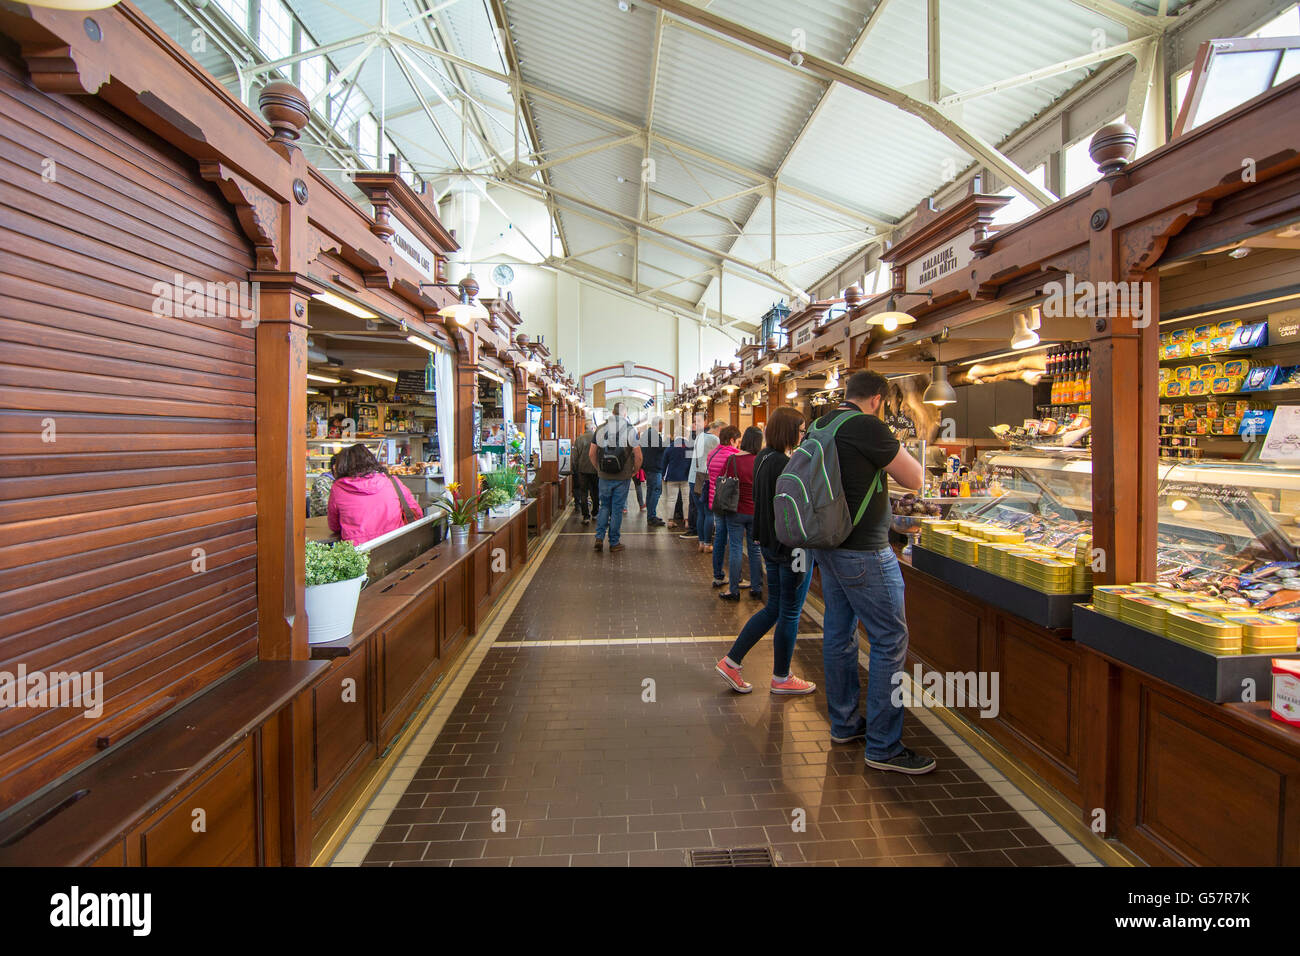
{"x": 331, "y": 609}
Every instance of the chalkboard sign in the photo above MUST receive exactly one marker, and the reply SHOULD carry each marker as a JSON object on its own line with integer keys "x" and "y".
{"x": 410, "y": 382}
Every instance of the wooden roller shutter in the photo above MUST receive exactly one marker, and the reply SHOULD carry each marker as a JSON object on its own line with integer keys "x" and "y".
{"x": 126, "y": 437}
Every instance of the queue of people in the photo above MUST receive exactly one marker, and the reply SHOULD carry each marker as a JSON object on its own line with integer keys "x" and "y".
{"x": 723, "y": 483}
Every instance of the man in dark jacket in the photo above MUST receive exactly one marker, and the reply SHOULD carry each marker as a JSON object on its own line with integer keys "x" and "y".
{"x": 677, "y": 465}
{"x": 652, "y": 455}
{"x": 585, "y": 479}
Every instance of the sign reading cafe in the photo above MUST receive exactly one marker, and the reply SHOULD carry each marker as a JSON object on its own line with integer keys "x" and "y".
{"x": 409, "y": 247}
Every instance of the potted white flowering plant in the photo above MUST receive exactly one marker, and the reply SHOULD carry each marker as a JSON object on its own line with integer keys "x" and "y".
{"x": 335, "y": 574}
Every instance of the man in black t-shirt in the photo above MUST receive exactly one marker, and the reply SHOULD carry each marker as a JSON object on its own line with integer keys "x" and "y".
{"x": 861, "y": 581}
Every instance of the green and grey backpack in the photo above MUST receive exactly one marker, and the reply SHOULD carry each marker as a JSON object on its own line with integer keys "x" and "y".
{"x": 809, "y": 504}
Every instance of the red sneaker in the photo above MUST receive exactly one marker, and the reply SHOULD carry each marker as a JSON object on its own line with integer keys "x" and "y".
{"x": 792, "y": 685}
{"x": 732, "y": 676}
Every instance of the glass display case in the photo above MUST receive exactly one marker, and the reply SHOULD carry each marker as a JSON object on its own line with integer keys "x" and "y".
{"x": 1228, "y": 529}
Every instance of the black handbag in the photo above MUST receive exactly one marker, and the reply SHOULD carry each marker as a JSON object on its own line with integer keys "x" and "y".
{"x": 726, "y": 493}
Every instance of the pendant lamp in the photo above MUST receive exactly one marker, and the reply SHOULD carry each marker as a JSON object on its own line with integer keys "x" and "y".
{"x": 939, "y": 392}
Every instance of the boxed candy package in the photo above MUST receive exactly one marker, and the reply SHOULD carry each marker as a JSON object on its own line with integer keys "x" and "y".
{"x": 1286, "y": 691}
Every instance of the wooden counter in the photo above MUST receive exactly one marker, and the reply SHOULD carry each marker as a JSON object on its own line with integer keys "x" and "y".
{"x": 1181, "y": 780}
{"x": 410, "y": 624}
{"x": 1188, "y": 782}
{"x": 135, "y": 806}
{"x": 1039, "y": 674}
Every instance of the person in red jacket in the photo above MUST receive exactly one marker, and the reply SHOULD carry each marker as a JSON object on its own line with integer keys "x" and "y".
{"x": 740, "y": 526}
{"x": 366, "y": 501}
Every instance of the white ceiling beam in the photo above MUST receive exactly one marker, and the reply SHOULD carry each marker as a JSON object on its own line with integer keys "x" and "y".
{"x": 422, "y": 14}
{"x": 569, "y": 198}
{"x": 655, "y": 138}
{"x": 343, "y": 75}
{"x": 1144, "y": 110}
{"x": 659, "y": 220}
{"x": 878, "y": 224}
{"x": 932, "y": 50}
{"x": 778, "y": 51}
{"x": 1127, "y": 17}
{"x": 529, "y": 188}
{"x": 400, "y": 60}
{"x": 589, "y": 151}
{"x": 1130, "y": 47}
{"x": 255, "y": 69}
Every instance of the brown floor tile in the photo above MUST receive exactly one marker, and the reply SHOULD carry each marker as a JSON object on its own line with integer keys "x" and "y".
{"x": 589, "y": 773}
{"x": 1036, "y": 856}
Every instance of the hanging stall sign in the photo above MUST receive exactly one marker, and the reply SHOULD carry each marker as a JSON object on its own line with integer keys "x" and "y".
{"x": 408, "y": 245}
{"x": 942, "y": 261}
{"x": 410, "y": 382}
{"x": 804, "y": 334}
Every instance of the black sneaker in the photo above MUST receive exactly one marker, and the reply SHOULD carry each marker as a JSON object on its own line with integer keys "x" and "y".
{"x": 861, "y": 735}
{"x": 756, "y": 595}
{"x": 688, "y": 534}
{"x": 728, "y": 596}
{"x": 905, "y": 761}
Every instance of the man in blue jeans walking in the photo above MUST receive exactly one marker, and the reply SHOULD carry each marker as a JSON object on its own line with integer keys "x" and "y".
{"x": 617, "y": 457}
{"x": 861, "y": 581}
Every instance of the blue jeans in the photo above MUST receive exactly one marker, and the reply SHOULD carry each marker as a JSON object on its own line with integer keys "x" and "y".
{"x": 653, "y": 487}
{"x": 719, "y": 544}
{"x": 740, "y": 532}
{"x": 864, "y": 586}
{"x": 786, "y": 590}
{"x": 613, "y": 498}
{"x": 703, "y": 517}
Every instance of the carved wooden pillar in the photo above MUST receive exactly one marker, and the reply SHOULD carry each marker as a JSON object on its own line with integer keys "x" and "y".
{"x": 466, "y": 377}
{"x": 1125, "y": 366}
{"x": 281, "y": 464}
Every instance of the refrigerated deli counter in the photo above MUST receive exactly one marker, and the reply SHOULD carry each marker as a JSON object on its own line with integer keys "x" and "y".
{"x": 1111, "y": 705}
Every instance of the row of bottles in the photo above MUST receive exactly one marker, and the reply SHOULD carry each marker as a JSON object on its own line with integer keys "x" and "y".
{"x": 1069, "y": 366}
{"x": 959, "y": 482}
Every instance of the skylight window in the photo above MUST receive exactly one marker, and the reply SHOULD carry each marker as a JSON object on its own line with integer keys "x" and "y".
{"x": 275, "y": 30}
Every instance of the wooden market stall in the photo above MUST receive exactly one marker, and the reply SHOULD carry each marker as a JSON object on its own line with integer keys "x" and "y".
{"x": 1120, "y": 723}
{"x": 180, "y": 464}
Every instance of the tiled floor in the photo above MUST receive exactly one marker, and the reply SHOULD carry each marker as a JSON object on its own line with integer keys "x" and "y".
{"x": 622, "y": 746}
{"x": 657, "y": 586}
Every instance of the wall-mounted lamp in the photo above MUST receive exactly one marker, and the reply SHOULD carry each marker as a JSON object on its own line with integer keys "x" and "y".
{"x": 1025, "y": 335}
{"x": 465, "y": 312}
{"x": 891, "y": 319}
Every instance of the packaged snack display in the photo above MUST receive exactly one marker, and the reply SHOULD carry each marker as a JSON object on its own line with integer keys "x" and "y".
{"x": 1260, "y": 378}
{"x": 1227, "y": 539}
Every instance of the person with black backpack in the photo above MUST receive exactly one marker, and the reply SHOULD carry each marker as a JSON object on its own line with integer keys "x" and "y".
{"x": 617, "y": 457}
{"x": 788, "y": 574}
{"x": 861, "y": 580}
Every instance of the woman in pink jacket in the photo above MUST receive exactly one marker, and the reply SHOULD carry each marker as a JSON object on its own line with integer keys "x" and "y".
{"x": 364, "y": 500}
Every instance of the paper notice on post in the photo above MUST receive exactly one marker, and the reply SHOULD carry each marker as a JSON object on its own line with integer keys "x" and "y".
{"x": 1283, "y": 440}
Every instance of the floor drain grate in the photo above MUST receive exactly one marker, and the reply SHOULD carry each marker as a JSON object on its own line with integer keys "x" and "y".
{"x": 744, "y": 856}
